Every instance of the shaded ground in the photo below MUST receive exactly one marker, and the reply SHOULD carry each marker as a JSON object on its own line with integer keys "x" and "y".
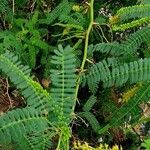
{"x": 9, "y": 98}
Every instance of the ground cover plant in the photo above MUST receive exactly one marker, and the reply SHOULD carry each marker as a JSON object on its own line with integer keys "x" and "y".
{"x": 74, "y": 75}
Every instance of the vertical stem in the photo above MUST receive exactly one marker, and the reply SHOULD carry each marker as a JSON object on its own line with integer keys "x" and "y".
{"x": 87, "y": 35}
{"x": 13, "y": 3}
{"x": 85, "y": 48}
{"x": 59, "y": 142}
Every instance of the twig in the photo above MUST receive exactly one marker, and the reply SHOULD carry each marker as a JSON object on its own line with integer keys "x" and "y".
{"x": 138, "y": 135}
{"x": 91, "y": 62}
{"x": 82, "y": 120}
{"x": 103, "y": 35}
{"x": 7, "y": 92}
{"x": 13, "y": 3}
{"x": 32, "y": 6}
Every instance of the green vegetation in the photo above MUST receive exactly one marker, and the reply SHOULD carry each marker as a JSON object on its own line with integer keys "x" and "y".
{"x": 83, "y": 70}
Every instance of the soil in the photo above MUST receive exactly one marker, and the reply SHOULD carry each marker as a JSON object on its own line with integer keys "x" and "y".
{"x": 9, "y": 98}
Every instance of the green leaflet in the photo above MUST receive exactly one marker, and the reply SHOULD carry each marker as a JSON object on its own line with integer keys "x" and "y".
{"x": 132, "y": 16}
{"x": 92, "y": 120}
{"x": 132, "y": 24}
{"x": 132, "y": 72}
{"x": 89, "y": 104}
{"x": 89, "y": 115}
{"x": 137, "y": 11}
{"x": 63, "y": 82}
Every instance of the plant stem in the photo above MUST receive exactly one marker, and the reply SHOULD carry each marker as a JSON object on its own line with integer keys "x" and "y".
{"x": 59, "y": 142}
{"x": 85, "y": 48}
{"x": 13, "y": 9}
{"x": 87, "y": 35}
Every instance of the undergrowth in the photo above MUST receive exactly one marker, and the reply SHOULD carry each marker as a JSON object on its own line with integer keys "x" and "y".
{"x": 83, "y": 69}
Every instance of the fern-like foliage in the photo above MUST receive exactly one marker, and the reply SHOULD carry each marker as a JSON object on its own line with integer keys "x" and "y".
{"x": 132, "y": 72}
{"x": 125, "y": 48}
{"x": 139, "y": 14}
{"x": 5, "y": 10}
{"x": 9, "y": 42}
{"x": 91, "y": 120}
{"x": 74, "y": 19}
{"x": 132, "y": 24}
{"x": 17, "y": 124}
{"x": 39, "y": 139}
{"x": 20, "y": 76}
{"x": 63, "y": 81}
{"x": 109, "y": 73}
{"x": 27, "y": 120}
{"x": 133, "y": 12}
{"x": 62, "y": 9}
{"x": 109, "y": 48}
{"x": 89, "y": 103}
{"x": 30, "y": 38}
{"x": 44, "y": 116}
{"x": 129, "y": 111}
{"x": 89, "y": 115}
